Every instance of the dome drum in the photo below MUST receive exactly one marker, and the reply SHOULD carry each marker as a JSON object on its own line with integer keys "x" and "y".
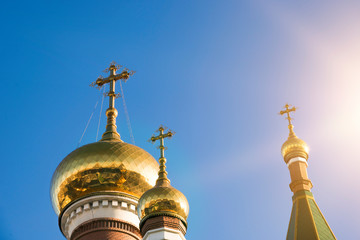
{"x": 105, "y": 206}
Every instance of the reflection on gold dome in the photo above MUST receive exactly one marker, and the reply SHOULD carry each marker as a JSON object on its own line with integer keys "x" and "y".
{"x": 105, "y": 166}
{"x": 294, "y": 147}
{"x": 163, "y": 200}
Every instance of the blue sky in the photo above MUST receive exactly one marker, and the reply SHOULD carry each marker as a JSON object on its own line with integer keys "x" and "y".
{"x": 217, "y": 72}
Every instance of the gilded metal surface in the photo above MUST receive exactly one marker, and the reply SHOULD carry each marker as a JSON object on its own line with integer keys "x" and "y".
{"x": 124, "y": 76}
{"x": 163, "y": 200}
{"x": 162, "y": 160}
{"x": 293, "y": 146}
{"x": 111, "y": 112}
{"x": 103, "y": 166}
{"x": 288, "y": 110}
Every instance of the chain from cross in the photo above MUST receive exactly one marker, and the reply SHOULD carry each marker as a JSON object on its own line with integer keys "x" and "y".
{"x": 288, "y": 110}
{"x": 111, "y": 79}
{"x": 161, "y": 138}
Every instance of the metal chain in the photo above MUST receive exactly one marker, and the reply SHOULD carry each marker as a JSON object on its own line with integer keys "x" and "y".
{"x": 102, "y": 103}
{"x": 127, "y": 115}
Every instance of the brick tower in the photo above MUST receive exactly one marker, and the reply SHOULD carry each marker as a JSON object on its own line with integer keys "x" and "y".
{"x": 306, "y": 221}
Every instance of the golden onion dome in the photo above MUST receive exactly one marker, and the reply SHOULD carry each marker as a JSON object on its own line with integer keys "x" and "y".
{"x": 109, "y": 166}
{"x": 294, "y": 147}
{"x": 163, "y": 200}
{"x": 103, "y": 167}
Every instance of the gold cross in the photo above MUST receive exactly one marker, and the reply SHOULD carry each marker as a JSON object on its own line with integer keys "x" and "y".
{"x": 111, "y": 112}
{"x": 161, "y": 137}
{"x": 111, "y": 79}
{"x": 287, "y": 111}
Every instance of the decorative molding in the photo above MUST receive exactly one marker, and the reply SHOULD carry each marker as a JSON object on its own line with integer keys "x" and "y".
{"x": 109, "y": 224}
{"x": 163, "y": 222}
{"x": 297, "y": 159}
{"x": 158, "y": 214}
{"x": 304, "y": 182}
{"x": 98, "y": 207}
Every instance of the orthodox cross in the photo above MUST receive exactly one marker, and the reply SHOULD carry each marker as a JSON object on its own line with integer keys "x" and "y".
{"x": 161, "y": 137}
{"x": 288, "y": 110}
{"x": 111, "y": 112}
{"x": 162, "y": 180}
{"x": 111, "y": 79}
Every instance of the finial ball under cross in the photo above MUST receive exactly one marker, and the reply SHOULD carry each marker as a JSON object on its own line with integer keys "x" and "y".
{"x": 287, "y": 110}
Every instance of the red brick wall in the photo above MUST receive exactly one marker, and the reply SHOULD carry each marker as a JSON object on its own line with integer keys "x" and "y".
{"x": 162, "y": 221}
{"x": 106, "y": 235}
{"x": 106, "y": 229}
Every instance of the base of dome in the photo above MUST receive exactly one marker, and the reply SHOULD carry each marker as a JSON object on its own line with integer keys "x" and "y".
{"x": 98, "y": 207}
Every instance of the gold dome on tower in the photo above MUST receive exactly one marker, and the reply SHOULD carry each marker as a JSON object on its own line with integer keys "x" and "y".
{"x": 293, "y": 146}
{"x": 109, "y": 166}
{"x": 163, "y": 199}
{"x": 106, "y": 166}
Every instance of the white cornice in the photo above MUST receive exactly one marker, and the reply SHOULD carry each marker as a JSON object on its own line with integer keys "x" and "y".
{"x": 297, "y": 159}
{"x": 100, "y": 206}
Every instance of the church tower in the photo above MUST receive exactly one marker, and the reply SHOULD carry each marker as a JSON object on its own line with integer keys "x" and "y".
{"x": 306, "y": 221}
{"x": 163, "y": 210}
{"x": 96, "y": 188}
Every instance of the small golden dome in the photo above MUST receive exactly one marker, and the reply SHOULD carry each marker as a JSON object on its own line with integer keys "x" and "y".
{"x": 294, "y": 147}
{"x": 163, "y": 200}
{"x": 103, "y": 167}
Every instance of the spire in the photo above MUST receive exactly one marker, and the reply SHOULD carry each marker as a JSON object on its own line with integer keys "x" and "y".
{"x": 306, "y": 221}
{"x": 110, "y": 133}
{"x": 295, "y": 152}
{"x": 162, "y": 180}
